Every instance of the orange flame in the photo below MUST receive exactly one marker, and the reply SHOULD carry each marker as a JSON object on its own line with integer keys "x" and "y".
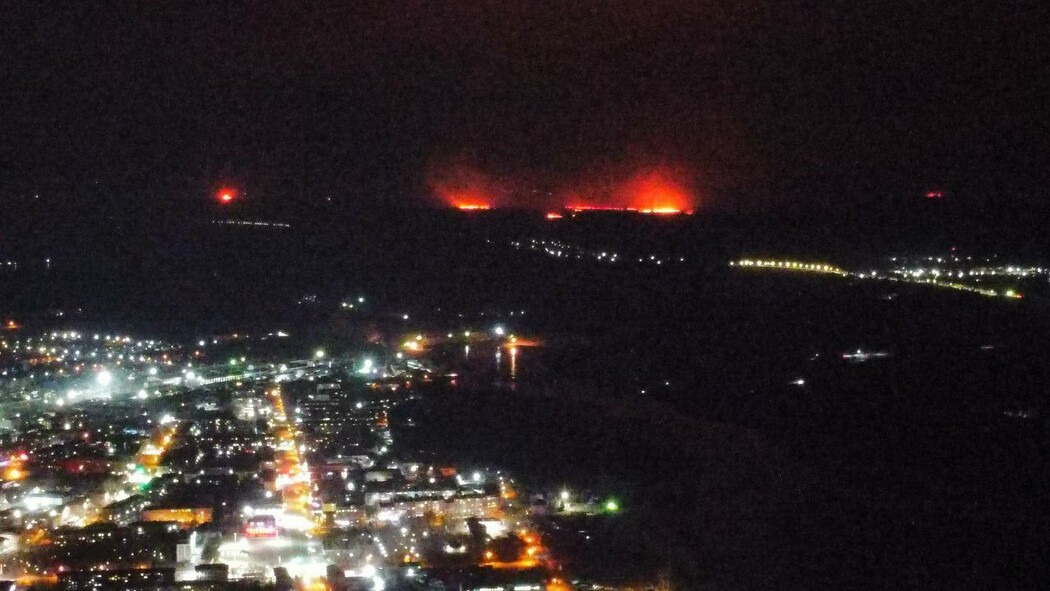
{"x": 465, "y": 187}
{"x": 659, "y": 190}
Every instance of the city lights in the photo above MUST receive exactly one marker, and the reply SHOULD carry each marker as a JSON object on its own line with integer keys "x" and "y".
{"x": 104, "y": 377}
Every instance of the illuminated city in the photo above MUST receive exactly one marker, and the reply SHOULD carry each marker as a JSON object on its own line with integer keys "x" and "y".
{"x": 194, "y": 456}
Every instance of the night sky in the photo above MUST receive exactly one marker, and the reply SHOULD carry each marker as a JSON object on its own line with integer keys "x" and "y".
{"x": 366, "y": 102}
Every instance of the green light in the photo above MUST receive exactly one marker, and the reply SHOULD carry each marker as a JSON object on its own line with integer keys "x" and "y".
{"x": 611, "y": 506}
{"x": 233, "y": 362}
{"x": 140, "y": 477}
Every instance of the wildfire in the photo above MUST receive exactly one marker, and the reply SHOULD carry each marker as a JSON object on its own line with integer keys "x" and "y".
{"x": 658, "y": 192}
{"x": 465, "y": 188}
{"x": 654, "y": 190}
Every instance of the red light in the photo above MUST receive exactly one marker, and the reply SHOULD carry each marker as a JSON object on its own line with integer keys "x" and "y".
{"x": 263, "y": 526}
{"x": 934, "y": 194}
{"x": 260, "y": 532}
{"x": 554, "y": 216}
{"x": 227, "y": 196}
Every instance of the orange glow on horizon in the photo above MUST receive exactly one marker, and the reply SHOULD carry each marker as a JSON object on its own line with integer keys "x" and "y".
{"x": 652, "y": 211}
{"x": 658, "y": 190}
{"x": 465, "y": 187}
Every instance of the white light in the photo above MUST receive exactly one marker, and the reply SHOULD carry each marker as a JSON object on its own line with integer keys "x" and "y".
{"x": 141, "y": 395}
{"x": 319, "y": 353}
{"x": 499, "y": 331}
{"x": 103, "y": 377}
{"x": 152, "y": 371}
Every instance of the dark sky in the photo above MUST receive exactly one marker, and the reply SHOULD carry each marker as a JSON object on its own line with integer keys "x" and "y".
{"x": 825, "y": 101}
